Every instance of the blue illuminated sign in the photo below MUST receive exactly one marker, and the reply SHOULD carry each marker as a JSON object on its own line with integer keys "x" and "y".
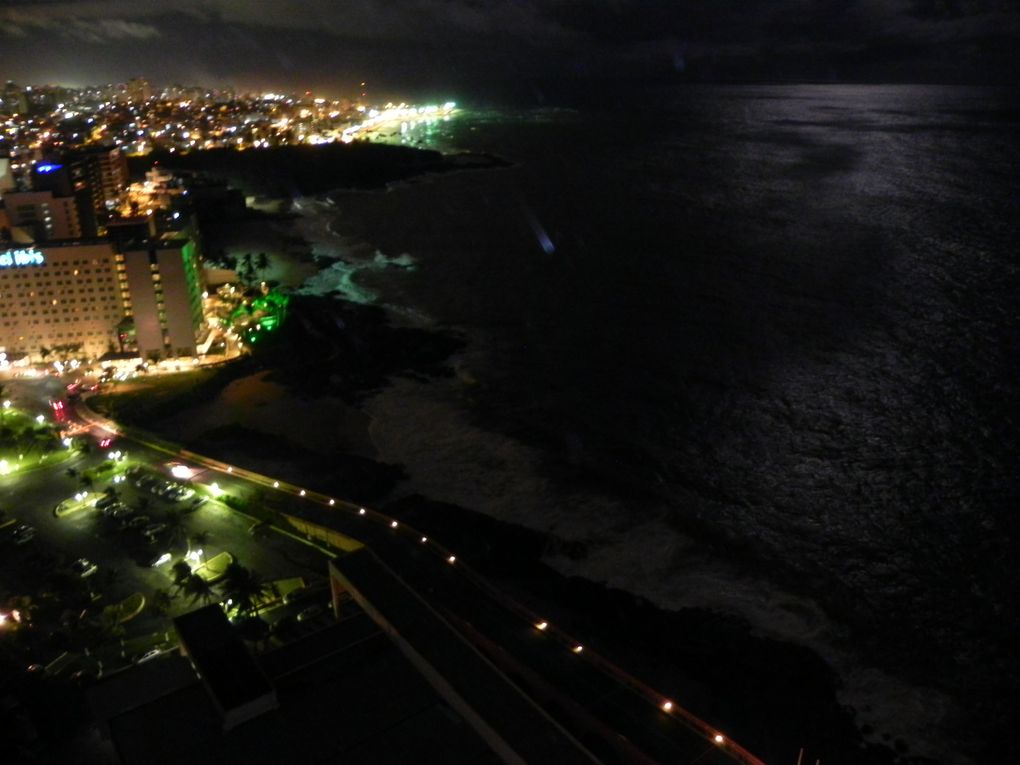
{"x": 28, "y": 256}
{"x": 47, "y": 168}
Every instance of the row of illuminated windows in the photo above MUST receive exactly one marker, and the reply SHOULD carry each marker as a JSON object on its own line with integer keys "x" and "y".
{"x": 103, "y": 312}
{"x": 54, "y": 317}
{"x": 65, "y": 291}
{"x": 100, "y": 283}
{"x": 48, "y": 301}
{"x": 101, "y": 276}
{"x": 61, "y": 299}
{"x": 43, "y": 325}
{"x": 69, "y": 335}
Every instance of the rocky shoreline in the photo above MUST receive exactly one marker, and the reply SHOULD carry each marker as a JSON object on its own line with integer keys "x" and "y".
{"x": 773, "y": 697}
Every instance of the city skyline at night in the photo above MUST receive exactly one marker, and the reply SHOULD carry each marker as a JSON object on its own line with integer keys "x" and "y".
{"x": 428, "y": 48}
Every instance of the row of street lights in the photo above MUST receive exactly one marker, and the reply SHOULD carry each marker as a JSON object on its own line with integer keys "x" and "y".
{"x": 662, "y": 703}
{"x": 665, "y": 705}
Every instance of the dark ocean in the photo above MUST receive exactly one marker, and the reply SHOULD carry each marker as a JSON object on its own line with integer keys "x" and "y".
{"x": 755, "y": 347}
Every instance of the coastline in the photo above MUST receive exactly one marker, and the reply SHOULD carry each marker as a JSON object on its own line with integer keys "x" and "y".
{"x": 545, "y": 567}
{"x": 564, "y": 557}
{"x": 894, "y": 711}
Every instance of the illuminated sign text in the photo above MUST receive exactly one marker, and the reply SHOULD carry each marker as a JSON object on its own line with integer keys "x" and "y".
{"x": 28, "y": 256}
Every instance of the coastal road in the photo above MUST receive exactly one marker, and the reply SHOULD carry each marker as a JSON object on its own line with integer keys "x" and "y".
{"x": 123, "y": 555}
{"x": 580, "y": 685}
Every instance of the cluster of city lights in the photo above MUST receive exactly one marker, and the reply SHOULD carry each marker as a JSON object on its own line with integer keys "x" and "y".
{"x": 139, "y": 121}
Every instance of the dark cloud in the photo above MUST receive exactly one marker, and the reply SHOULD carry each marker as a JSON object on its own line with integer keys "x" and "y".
{"x": 482, "y": 44}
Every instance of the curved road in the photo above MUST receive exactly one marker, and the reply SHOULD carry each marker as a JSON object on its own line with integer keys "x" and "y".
{"x": 572, "y": 675}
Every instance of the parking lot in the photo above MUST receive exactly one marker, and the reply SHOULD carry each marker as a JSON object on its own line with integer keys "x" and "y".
{"x": 75, "y": 552}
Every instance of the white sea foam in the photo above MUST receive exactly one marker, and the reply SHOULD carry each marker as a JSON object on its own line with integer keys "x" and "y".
{"x": 349, "y": 258}
{"x": 424, "y": 426}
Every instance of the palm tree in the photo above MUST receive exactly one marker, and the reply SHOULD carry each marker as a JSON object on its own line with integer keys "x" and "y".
{"x": 161, "y": 601}
{"x": 246, "y": 268}
{"x": 44, "y": 352}
{"x": 181, "y": 571}
{"x": 41, "y": 437}
{"x": 198, "y": 589}
{"x": 261, "y": 263}
{"x": 176, "y": 525}
{"x": 246, "y": 588}
{"x": 198, "y": 540}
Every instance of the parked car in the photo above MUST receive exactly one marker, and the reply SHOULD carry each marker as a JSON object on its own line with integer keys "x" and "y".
{"x": 83, "y": 567}
{"x": 84, "y": 677}
{"x": 306, "y": 592}
{"x": 154, "y": 528}
{"x": 311, "y": 612}
{"x": 284, "y": 624}
{"x": 105, "y": 502}
{"x": 22, "y": 534}
{"x": 149, "y": 655}
{"x": 122, "y": 511}
{"x": 110, "y": 511}
{"x": 159, "y": 560}
{"x": 139, "y": 521}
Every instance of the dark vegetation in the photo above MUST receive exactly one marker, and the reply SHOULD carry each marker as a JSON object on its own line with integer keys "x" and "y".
{"x": 309, "y": 170}
{"x": 326, "y": 347}
{"x": 357, "y": 478}
{"x": 333, "y": 347}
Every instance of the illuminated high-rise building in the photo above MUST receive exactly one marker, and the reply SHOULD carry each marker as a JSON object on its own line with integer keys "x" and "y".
{"x": 104, "y": 170}
{"x": 45, "y": 216}
{"x": 13, "y": 99}
{"x": 145, "y": 297}
{"x": 7, "y": 182}
{"x": 65, "y": 183}
{"x": 138, "y": 90}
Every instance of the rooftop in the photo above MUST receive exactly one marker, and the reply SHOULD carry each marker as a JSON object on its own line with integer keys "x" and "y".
{"x": 221, "y": 657}
{"x": 346, "y": 695}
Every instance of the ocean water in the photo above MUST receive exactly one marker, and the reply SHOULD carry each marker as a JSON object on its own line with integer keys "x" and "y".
{"x": 755, "y": 347}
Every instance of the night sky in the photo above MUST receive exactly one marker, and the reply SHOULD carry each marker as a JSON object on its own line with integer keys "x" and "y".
{"x": 479, "y": 48}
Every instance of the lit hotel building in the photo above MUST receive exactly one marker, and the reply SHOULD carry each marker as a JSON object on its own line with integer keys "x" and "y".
{"x": 142, "y": 296}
